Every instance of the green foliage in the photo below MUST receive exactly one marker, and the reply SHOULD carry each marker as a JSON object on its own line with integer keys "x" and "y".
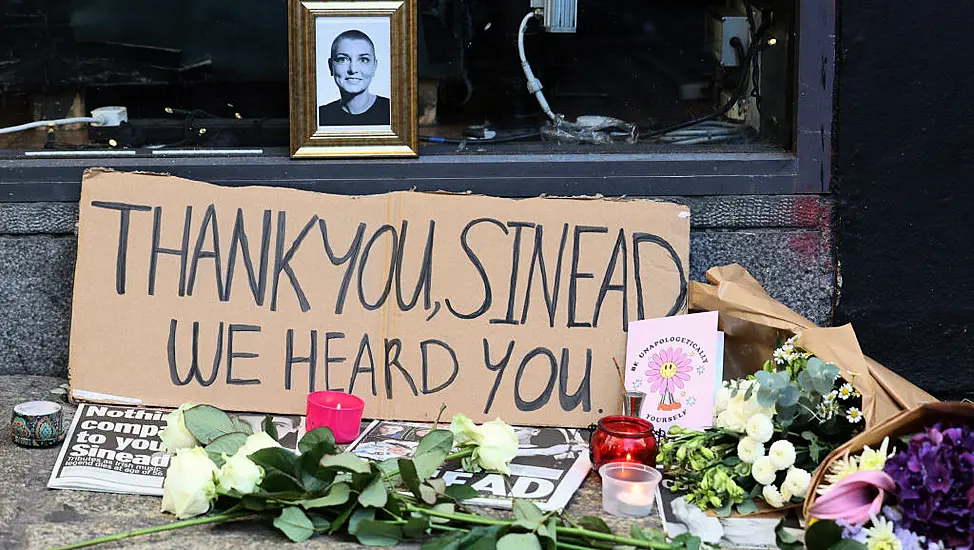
{"x": 207, "y": 423}
{"x": 295, "y": 524}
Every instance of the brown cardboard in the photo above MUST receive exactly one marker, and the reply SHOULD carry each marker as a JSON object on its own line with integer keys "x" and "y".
{"x": 753, "y": 321}
{"x": 120, "y": 333}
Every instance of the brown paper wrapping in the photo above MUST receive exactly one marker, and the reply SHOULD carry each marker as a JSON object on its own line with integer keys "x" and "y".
{"x": 752, "y": 321}
{"x": 902, "y": 423}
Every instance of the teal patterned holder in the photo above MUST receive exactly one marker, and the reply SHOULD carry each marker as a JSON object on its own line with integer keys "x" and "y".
{"x": 37, "y": 424}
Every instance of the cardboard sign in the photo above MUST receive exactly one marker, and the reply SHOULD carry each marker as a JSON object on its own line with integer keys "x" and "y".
{"x": 248, "y": 298}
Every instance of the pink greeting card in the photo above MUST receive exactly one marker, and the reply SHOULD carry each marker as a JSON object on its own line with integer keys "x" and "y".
{"x": 673, "y": 360}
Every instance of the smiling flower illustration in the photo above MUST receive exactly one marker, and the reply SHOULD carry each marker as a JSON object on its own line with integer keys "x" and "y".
{"x": 667, "y": 371}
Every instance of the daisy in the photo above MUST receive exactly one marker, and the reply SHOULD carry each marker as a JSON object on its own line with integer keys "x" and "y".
{"x": 846, "y": 391}
{"x": 853, "y": 415}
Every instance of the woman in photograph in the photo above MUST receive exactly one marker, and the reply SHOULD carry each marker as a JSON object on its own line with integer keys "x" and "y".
{"x": 352, "y": 64}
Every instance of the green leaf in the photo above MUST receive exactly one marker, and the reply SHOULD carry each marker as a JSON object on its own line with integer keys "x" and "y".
{"x": 295, "y": 524}
{"x": 340, "y": 520}
{"x": 253, "y": 502}
{"x": 593, "y": 523}
{"x": 527, "y": 514}
{"x": 378, "y": 533}
{"x": 345, "y": 462}
{"x": 407, "y": 470}
{"x": 653, "y": 535}
{"x": 226, "y": 444}
{"x": 786, "y": 540}
{"x": 849, "y": 544}
{"x": 428, "y": 463}
{"x": 822, "y": 535}
{"x": 319, "y": 522}
{"x": 767, "y": 397}
{"x": 207, "y": 423}
{"x": 438, "y": 485}
{"x": 278, "y": 482}
{"x": 749, "y": 392}
{"x": 450, "y": 541}
{"x": 482, "y": 538}
{"x": 313, "y": 478}
{"x": 390, "y": 470}
{"x": 375, "y": 494}
{"x": 416, "y": 527}
{"x": 437, "y": 440}
{"x": 548, "y": 534}
{"x": 269, "y": 428}
{"x": 725, "y": 510}
{"x": 519, "y": 541}
{"x": 276, "y": 459}
{"x": 461, "y": 492}
{"x": 337, "y": 494}
{"x": 747, "y": 507}
{"x": 358, "y": 516}
{"x": 318, "y": 437}
{"x": 243, "y": 427}
{"x": 805, "y": 381}
{"x": 427, "y": 494}
{"x": 688, "y": 541}
{"x": 445, "y": 508}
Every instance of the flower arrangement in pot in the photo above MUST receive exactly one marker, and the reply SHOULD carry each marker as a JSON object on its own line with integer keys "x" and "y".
{"x": 771, "y": 430}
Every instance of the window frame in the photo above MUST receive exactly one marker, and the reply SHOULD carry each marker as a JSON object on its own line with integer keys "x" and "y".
{"x": 513, "y": 170}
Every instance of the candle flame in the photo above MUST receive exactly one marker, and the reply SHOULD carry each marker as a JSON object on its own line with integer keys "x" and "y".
{"x": 628, "y": 457}
{"x": 339, "y": 407}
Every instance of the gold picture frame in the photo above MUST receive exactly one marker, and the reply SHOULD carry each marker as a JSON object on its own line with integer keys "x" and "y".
{"x": 352, "y": 63}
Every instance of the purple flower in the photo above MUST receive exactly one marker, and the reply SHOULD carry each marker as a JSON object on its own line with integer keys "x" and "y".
{"x": 934, "y": 480}
{"x": 909, "y": 539}
{"x": 853, "y": 531}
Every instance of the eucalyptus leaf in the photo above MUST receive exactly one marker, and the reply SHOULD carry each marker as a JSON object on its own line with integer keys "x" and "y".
{"x": 295, "y": 524}
{"x": 227, "y": 444}
{"x": 725, "y": 510}
{"x": 375, "y": 494}
{"x": 788, "y": 397}
{"x": 805, "y": 381}
{"x": 268, "y": 426}
{"x": 345, "y": 462}
{"x": 318, "y": 437}
{"x": 747, "y": 507}
{"x": 823, "y": 384}
{"x": 765, "y": 379}
{"x": 378, "y": 533}
{"x": 519, "y": 541}
{"x": 814, "y": 366}
{"x": 337, "y": 494}
{"x": 207, "y": 423}
{"x": 766, "y": 397}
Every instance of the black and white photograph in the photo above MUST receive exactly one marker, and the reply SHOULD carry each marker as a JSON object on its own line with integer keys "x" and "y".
{"x": 354, "y": 82}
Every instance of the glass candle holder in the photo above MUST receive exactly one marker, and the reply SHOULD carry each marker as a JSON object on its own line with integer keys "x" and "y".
{"x": 339, "y": 411}
{"x": 628, "y": 488}
{"x": 623, "y": 439}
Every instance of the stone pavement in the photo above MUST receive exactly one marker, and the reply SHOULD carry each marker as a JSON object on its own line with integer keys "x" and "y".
{"x": 33, "y": 516}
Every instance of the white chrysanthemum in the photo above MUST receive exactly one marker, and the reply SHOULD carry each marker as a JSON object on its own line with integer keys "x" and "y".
{"x": 797, "y": 482}
{"x": 782, "y": 454}
{"x": 763, "y": 471}
{"x": 760, "y": 427}
{"x": 721, "y": 400}
{"x": 731, "y": 419}
{"x": 749, "y": 450}
{"x": 772, "y": 496}
{"x": 874, "y": 459}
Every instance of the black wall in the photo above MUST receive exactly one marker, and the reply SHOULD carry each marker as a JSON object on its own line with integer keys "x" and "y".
{"x": 904, "y": 182}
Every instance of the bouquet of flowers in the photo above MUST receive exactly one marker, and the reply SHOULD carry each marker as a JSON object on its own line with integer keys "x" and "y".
{"x": 770, "y": 431}
{"x": 222, "y": 469}
{"x": 914, "y": 491}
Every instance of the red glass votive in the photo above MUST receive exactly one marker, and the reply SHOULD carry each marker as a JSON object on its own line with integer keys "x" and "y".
{"x": 623, "y": 439}
{"x": 340, "y": 412}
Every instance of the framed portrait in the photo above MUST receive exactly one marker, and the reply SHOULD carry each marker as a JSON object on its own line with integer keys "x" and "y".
{"x": 353, "y": 78}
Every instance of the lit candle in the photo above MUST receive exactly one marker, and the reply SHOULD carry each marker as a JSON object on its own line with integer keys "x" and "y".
{"x": 338, "y": 411}
{"x": 628, "y": 488}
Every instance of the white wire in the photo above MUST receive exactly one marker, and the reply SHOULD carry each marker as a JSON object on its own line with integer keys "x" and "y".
{"x": 42, "y": 123}
{"x": 534, "y": 85}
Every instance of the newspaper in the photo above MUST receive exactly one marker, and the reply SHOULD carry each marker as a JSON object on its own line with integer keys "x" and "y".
{"x": 550, "y": 466}
{"x": 116, "y": 449}
{"x": 752, "y": 532}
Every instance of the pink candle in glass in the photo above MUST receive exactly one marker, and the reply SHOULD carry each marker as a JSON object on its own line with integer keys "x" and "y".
{"x": 340, "y": 412}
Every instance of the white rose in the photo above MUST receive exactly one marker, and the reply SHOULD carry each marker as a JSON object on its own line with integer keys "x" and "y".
{"x": 189, "y": 488}
{"x": 782, "y": 453}
{"x": 760, "y": 428}
{"x": 498, "y": 447}
{"x": 175, "y": 436}
{"x": 763, "y": 471}
{"x": 239, "y": 472}
{"x": 749, "y": 450}
{"x": 797, "y": 482}
{"x": 464, "y": 430}
{"x": 721, "y": 400}
{"x": 731, "y": 419}
{"x": 772, "y": 496}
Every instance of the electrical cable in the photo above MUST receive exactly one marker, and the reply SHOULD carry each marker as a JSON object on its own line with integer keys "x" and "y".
{"x": 48, "y": 123}
{"x": 534, "y": 85}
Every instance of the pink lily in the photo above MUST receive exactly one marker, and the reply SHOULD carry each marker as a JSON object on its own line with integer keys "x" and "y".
{"x": 854, "y": 498}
